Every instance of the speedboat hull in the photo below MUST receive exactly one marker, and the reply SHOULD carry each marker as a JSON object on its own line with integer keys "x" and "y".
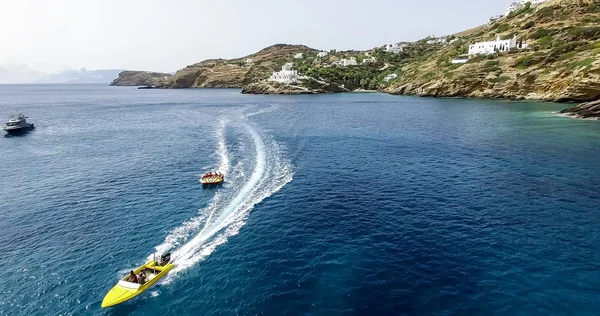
{"x": 19, "y": 130}
{"x": 126, "y": 290}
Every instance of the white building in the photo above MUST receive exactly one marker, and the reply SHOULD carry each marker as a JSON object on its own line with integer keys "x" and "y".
{"x": 322, "y": 54}
{"x": 346, "y": 62}
{"x": 390, "y": 77}
{"x": 249, "y": 61}
{"x": 369, "y": 60}
{"x": 520, "y": 4}
{"x": 286, "y": 75}
{"x": 394, "y": 48}
{"x": 297, "y": 56}
{"x": 349, "y": 62}
{"x": 459, "y": 61}
{"x": 486, "y": 48}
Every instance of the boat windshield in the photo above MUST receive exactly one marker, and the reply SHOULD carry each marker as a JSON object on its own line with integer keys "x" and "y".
{"x": 13, "y": 124}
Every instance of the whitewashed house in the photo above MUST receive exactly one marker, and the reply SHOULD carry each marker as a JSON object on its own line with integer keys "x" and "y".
{"x": 520, "y": 4}
{"x": 369, "y": 60}
{"x": 346, "y": 62}
{"x": 390, "y": 77}
{"x": 298, "y": 56}
{"x": 486, "y": 48}
{"x": 436, "y": 40}
{"x": 322, "y": 54}
{"x": 249, "y": 61}
{"x": 286, "y": 75}
{"x": 394, "y": 48}
{"x": 349, "y": 62}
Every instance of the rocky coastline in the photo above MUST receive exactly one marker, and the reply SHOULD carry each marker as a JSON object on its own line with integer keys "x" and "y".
{"x": 585, "y": 110}
{"x": 557, "y": 60}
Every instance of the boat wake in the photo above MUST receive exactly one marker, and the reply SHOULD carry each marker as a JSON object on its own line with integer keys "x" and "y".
{"x": 223, "y": 217}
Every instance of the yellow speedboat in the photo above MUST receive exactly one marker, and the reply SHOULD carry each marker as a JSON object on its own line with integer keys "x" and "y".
{"x": 134, "y": 284}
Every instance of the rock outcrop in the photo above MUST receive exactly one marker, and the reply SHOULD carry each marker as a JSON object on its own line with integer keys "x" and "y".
{"x": 585, "y": 110}
{"x": 266, "y": 87}
{"x": 306, "y": 86}
{"x": 139, "y": 78}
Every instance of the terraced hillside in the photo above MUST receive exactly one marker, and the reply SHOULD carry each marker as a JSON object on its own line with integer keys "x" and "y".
{"x": 561, "y": 63}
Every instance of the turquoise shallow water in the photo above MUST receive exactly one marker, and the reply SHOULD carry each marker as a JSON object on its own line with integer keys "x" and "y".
{"x": 334, "y": 204}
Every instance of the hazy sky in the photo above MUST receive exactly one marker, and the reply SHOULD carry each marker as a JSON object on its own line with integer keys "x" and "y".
{"x": 167, "y": 35}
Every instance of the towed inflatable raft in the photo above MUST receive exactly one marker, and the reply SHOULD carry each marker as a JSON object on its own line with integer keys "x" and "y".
{"x": 212, "y": 178}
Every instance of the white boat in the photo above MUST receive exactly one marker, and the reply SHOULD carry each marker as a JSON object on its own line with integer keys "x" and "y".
{"x": 17, "y": 124}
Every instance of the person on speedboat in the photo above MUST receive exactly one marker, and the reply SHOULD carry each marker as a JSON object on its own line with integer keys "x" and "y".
{"x": 132, "y": 277}
{"x": 142, "y": 278}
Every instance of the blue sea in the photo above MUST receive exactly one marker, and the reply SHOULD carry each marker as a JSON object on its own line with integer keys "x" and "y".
{"x": 343, "y": 204}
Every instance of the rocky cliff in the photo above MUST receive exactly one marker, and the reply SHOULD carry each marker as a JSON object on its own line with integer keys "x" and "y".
{"x": 139, "y": 78}
{"x": 561, "y": 63}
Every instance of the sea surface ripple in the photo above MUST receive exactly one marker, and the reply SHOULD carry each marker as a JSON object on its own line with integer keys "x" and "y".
{"x": 349, "y": 204}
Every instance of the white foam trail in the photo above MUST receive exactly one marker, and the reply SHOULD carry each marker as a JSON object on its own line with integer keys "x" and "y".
{"x": 185, "y": 255}
{"x": 222, "y": 149}
{"x": 224, "y": 217}
{"x": 180, "y": 234}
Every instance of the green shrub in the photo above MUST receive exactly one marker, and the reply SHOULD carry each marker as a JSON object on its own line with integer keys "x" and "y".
{"x": 568, "y": 47}
{"x": 541, "y": 32}
{"x": 458, "y": 48}
{"x": 528, "y": 25}
{"x": 546, "y": 41}
{"x": 429, "y": 75}
{"x": 454, "y": 66}
{"x": 585, "y": 33}
{"x": 501, "y": 79}
{"x": 563, "y": 52}
{"x": 478, "y": 58}
{"x": 525, "y": 61}
{"x": 586, "y": 63}
{"x": 502, "y": 28}
{"x": 546, "y": 12}
{"x": 491, "y": 63}
{"x": 593, "y": 8}
{"x": 508, "y": 36}
{"x": 566, "y": 56}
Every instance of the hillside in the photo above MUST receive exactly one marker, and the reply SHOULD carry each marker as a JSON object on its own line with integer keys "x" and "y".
{"x": 560, "y": 64}
{"x": 234, "y": 73}
{"x": 139, "y": 78}
{"x": 556, "y": 59}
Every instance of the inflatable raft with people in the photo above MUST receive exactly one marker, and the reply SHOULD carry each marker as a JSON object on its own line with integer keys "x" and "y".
{"x": 212, "y": 178}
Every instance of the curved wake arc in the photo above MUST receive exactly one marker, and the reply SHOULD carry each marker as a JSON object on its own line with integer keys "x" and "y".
{"x": 197, "y": 238}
